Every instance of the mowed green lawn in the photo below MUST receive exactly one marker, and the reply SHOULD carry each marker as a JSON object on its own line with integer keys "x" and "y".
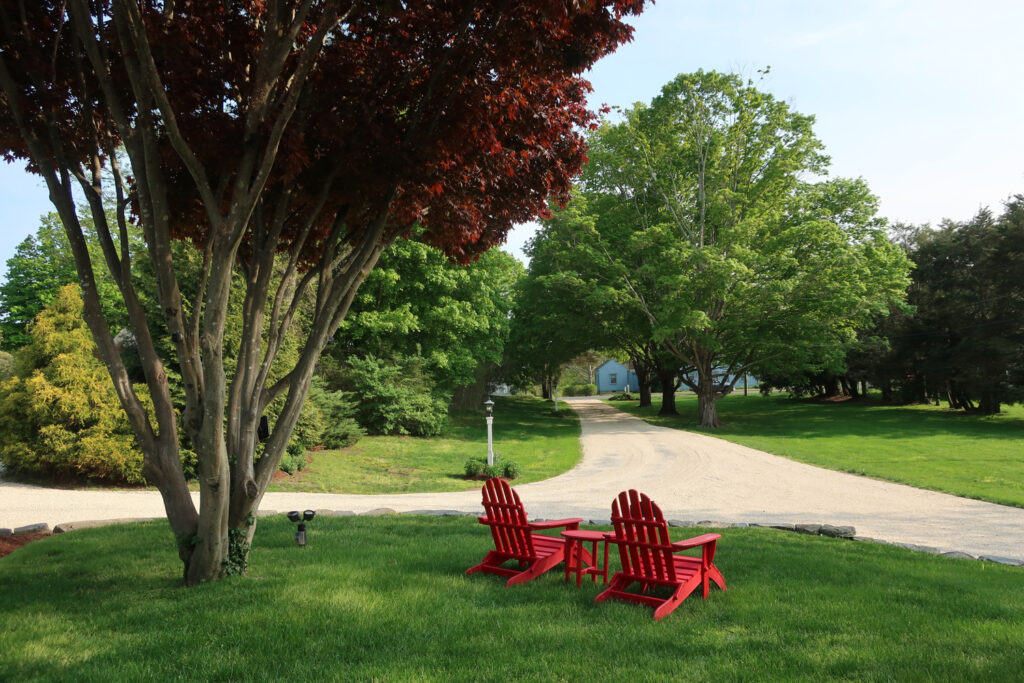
{"x": 525, "y": 431}
{"x": 386, "y": 599}
{"x": 924, "y": 446}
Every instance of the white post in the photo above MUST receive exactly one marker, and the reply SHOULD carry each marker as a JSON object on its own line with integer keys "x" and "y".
{"x": 490, "y": 441}
{"x": 489, "y": 404}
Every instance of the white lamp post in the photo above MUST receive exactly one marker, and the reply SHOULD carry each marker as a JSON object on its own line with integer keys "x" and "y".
{"x": 489, "y": 404}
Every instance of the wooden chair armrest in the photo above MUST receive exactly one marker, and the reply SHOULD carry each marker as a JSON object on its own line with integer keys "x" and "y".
{"x": 572, "y": 522}
{"x": 696, "y": 541}
{"x": 483, "y": 520}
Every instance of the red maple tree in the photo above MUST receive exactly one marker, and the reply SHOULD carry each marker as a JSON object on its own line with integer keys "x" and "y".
{"x": 293, "y": 141}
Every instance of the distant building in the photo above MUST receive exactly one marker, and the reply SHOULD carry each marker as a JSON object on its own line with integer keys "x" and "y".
{"x": 612, "y": 376}
{"x": 499, "y": 389}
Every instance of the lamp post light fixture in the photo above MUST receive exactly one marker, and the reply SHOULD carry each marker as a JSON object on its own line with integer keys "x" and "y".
{"x": 489, "y": 405}
{"x": 301, "y": 518}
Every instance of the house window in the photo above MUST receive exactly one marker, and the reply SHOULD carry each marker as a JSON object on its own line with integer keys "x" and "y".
{"x": 613, "y": 378}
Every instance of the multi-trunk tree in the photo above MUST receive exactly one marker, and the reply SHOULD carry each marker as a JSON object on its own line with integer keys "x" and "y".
{"x": 703, "y": 213}
{"x": 293, "y": 140}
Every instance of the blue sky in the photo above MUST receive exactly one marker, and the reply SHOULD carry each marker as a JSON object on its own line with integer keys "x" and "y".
{"x": 922, "y": 99}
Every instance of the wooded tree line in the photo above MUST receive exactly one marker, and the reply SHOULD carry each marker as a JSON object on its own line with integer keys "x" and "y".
{"x": 961, "y": 340}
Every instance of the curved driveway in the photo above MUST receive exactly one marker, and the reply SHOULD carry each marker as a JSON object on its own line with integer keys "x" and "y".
{"x": 691, "y": 476}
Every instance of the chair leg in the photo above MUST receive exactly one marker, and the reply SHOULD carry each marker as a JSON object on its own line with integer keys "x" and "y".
{"x": 618, "y": 584}
{"x": 488, "y": 561}
{"x": 537, "y": 568}
{"x": 676, "y": 599}
{"x": 716, "y": 576}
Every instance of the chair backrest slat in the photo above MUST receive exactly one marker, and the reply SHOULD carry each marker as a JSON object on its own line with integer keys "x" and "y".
{"x": 641, "y": 532}
{"x": 507, "y": 519}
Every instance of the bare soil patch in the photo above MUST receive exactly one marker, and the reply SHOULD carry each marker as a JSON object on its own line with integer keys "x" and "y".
{"x": 8, "y": 544}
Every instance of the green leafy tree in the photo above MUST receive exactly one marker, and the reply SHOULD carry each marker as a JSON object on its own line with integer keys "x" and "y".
{"x": 417, "y": 303}
{"x": 702, "y": 214}
{"x": 41, "y": 264}
{"x": 60, "y": 415}
{"x": 429, "y": 325}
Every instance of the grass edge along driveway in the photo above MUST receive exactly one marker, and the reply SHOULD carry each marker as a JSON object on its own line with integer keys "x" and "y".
{"x": 924, "y": 446}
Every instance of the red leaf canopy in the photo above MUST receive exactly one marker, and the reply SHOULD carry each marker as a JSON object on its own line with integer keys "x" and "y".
{"x": 464, "y": 117}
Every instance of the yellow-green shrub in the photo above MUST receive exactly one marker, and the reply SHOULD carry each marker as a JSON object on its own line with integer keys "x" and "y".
{"x": 60, "y": 415}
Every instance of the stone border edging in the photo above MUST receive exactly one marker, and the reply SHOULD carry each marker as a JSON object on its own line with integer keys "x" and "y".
{"x": 847, "y": 532}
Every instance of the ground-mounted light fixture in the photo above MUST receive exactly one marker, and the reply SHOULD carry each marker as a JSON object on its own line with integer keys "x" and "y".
{"x": 489, "y": 405}
{"x": 301, "y": 518}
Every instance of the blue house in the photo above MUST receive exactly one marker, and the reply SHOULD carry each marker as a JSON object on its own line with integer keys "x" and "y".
{"x": 612, "y": 376}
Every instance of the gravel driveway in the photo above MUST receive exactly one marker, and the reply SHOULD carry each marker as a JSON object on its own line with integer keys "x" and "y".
{"x": 691, "y": 476}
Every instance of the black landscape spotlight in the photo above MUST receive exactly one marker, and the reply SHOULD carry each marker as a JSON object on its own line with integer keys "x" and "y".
{"x": 301, "y": 518}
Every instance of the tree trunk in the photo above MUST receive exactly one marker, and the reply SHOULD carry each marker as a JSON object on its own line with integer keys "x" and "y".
{"x": 989, "y": 404}
{"x": 667, "y": 377}
{"x": 707, "y": 407}
{"x": 643, "y": 377}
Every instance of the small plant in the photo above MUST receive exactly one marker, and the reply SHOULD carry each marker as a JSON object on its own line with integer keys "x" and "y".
{"x": 622, "y": 397}
{"x": 293, "y": 460}
{"x": 474, "y": 466}
{"x": 511, "y": 469}
{"x": 492, "y": 470}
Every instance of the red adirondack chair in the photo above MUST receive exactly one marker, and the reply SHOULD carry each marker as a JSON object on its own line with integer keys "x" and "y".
{"x": 513, "y": 537}
{"x": 648, "y": 556}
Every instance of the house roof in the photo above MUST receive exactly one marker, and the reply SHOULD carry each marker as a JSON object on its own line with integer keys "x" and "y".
{"x": 610, "y": 360}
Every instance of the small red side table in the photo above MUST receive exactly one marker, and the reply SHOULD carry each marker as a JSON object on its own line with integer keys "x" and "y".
{"x": 574, "y": 540}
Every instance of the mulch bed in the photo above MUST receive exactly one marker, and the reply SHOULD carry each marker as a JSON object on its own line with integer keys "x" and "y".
{"x": 8, "y": 544}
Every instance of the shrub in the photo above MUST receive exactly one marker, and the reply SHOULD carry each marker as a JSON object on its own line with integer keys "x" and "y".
{"x": 6, "y": 365}
{"x": 309, "y": 429}
{"x": 397, "y": 399}
{"x": 580, "y": 390}
{"x": 474, "y": 466}
{"x": 622, "y": 397}
{"x": 339, "y": 410}
{"x": 60, "y": 416}
{"x": 292, "y": 462}
{"x": 510, "y": 469}
{"x": 491, "y": 470}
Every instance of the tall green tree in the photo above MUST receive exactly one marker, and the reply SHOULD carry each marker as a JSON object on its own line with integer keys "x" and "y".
{"x": 705, "y": 215}
{"x": 41, "y": 264}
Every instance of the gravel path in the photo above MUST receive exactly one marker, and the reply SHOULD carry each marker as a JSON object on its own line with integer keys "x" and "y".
{"x": 691, "y": 476}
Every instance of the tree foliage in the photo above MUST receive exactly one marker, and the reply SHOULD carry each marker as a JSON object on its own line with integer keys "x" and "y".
{"x": 965, "y": 339}
{"x": 418, "y": 303}
{"x": 294, "y": 141}
{"x": 41, "y": 264}
{"x": 703, "y": 218}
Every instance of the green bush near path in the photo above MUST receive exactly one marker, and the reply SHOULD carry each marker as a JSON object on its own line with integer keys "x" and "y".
{"x": 924, "y": 446}
{"x": 386, "y": 599}
{"x": 525, "y": 432}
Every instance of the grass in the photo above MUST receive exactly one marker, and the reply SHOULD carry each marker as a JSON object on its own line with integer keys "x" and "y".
{"x": 386, "y": 599}
{"x": 525, "y": 431}
{"x": 924, "y": 446}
